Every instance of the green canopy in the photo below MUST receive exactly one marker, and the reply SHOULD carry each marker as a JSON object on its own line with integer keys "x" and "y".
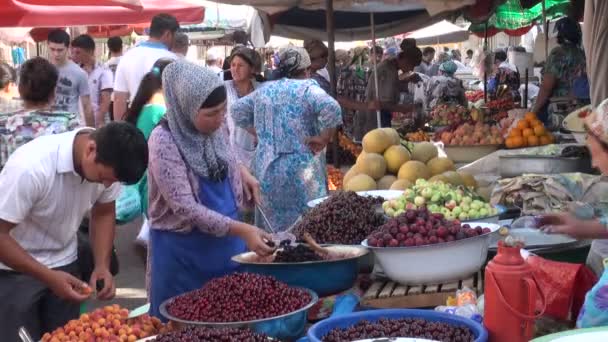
{"x": 511, "y": 16}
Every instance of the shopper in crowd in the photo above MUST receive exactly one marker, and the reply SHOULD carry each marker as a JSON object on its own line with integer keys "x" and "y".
{"x": 294, "y": 120}
{"x": 100, "y": 78}
{"x": 445, "y": 88}
{"x": 442, "y": 57}
{"x": 139, "y": 60}
{"x": 195, "y": 188}
{"x": 504, "y": 74}
{"x": 49, "y": 185}
{"x": 319, "y": 53}
{"x": 214, "y": 61}
{"x": 389, "y": 85}
{"x": 146, "y": 111}
{"x": 115, "y": 47}
{"x": 242, "y": 66}
{"x": 377, "y": 52}
{"x": 181, "y": 43}
{"x": 565, "y": 72}
{"x": 469, "y": 58}
{"x": 428, "y": 54}
{"x": 594, "y": 312}
{"x": 73, "y": 85}
{"x": 9, "y": 95}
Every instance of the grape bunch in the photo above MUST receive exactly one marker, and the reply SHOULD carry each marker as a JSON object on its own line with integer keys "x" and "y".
{"x": 238, "y": 297}
{"x": 344, "y": 218}
{"x": 403, "y": 327}
{"x": 211, "y": 335}
{"x": 299, "y": 253}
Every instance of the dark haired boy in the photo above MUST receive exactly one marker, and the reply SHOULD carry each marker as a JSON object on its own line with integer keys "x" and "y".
{"x": 101, "y": 80}
{"x": 49, "y": 184}
{"x": 72, "y": 87}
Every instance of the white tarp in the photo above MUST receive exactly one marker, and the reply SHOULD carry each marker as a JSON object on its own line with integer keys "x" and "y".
{"x": 443, "y": 32}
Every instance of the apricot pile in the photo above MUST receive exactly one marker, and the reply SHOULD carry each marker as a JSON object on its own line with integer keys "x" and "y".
{"x": 110, "y": 323}
{"x": 529, "y": 132}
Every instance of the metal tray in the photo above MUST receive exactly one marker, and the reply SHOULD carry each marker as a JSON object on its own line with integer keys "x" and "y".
{"x": 517, "y": 165}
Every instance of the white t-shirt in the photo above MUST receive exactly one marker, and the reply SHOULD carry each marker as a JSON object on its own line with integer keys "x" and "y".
{"x": 47, "y": 199}
{"x": 135, "y": 64}
{"x": 100, "y": 79}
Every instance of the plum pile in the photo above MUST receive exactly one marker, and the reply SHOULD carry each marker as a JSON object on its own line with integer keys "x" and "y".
{"x": 403, "y": 327}
{"x": 299, "y": 253}
{"x": 238, "y": 297}
{"x": 421, "y": 227}
{"x": 211, "y": 335}
{"x": 344, "y": 218}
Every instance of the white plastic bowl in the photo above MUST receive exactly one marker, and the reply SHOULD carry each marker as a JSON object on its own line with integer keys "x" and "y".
{"x": 434, "y": 264}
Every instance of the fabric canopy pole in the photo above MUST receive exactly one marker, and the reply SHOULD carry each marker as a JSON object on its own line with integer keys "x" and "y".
{"x": 373, "y": 26}
{"x": 331, "y": 68}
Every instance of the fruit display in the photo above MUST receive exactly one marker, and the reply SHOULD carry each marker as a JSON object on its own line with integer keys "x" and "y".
{"x": 528, "y": 132}
{"x": 211, "y": 335}
{"x": 403, "y": 327}
{"x": 418, "y": 136}
{"x": 344, "y": 218}
{"x": 110, "y": 323}
{"x": 474, "y": 95}
{"x": 334, "y": 178}
{"x": 299, "y": 253}
{"x": 420, "y": 227}
{"x": 502, "y": 104}
{"x": 448, "y": 114}
{"x": 469, "y": 134}
{"x": 347, "y": 144}
{"x": 584, "y": 113}
{"x": 238, "y": 297}
{"x": 453, "y": 202}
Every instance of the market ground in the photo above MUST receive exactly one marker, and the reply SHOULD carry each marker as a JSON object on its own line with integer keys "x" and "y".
{"x": 131, "y": 281}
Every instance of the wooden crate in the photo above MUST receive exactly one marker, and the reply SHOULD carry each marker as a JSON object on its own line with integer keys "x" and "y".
{"x": 388, "y": 294}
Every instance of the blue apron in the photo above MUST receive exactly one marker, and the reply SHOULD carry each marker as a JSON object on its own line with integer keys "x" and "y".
{"x": 184, "y": 262}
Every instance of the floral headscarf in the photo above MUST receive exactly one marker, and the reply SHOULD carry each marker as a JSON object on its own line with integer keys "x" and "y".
{"x": 597, "y": 122}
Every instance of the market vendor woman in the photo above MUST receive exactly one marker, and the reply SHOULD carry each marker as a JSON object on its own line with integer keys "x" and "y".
{"x": 595, "y": 310}
{"x": 195, "y": 188}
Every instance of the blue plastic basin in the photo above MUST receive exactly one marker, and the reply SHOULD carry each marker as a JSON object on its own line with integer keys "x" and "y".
{"x": 323, "y": 277}
{"x": 317, "y": 331}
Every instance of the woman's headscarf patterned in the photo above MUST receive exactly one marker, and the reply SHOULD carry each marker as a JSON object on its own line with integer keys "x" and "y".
{"x": 449, "y": 68}
{"x": 597, "y": 122}
{"x": 292, "y": 60}
{"x": 187, "y": 86}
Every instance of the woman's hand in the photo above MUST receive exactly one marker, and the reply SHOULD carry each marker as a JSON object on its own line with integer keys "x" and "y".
{"x": 251, "y": 187}
{"x": 568, "y": 224}
{"x": 254, "y": 238}
{"x": 317, "y": 143}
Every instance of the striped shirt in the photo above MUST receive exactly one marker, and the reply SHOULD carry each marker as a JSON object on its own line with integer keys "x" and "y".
{"x": 47, "y": 199}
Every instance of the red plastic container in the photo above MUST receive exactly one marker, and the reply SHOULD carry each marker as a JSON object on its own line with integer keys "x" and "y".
{"x": 511, "y": 293}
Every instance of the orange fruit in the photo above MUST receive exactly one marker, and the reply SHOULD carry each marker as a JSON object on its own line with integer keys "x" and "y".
{"x": 533, "y": 140}
{"x": 515, "y": 132}
{"x": 539, "y": 130}
{"x": 527, "y": 132}
{"x": 518, "y": 142}
{"x": 545, "y": 140}
{"x": 530, "y": 116}
{"x": 509, "y": 142}
{"x": 523, "y": 124}
{"x": 536, "y": 122}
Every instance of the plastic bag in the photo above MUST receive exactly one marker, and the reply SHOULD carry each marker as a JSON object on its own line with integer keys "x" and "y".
{"x": 128, "y": 204}
{"x": 564, "y": 286}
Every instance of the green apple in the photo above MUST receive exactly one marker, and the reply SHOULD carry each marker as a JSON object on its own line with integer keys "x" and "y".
{"x": 467, "y": 200}
{"x": 399, "y": 212}
{"x": 463, "y": 216}
{"x": 421, "y": 182}
{"x": 456, "y": 211}
{"x": 465, "y": 207}
{"x": 473, "y": 213}
{"x": 427, "y": 193}
{"x": 483, "y": 212}
{"x": 390, "y": 212}
{"x": 449, "y": 216}
{"x": 445, "y": 211}
{"x": 475, "y": 205}
{"x": 436, "y": 198}
{"x": 419, "y": 201}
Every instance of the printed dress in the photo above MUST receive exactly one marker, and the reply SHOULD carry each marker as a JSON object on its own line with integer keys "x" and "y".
{"x": 284, "y": 114}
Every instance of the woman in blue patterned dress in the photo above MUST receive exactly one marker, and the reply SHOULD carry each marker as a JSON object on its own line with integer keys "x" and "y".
{"x": 294, "y": 119}
{"x": 594, "y": 312}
